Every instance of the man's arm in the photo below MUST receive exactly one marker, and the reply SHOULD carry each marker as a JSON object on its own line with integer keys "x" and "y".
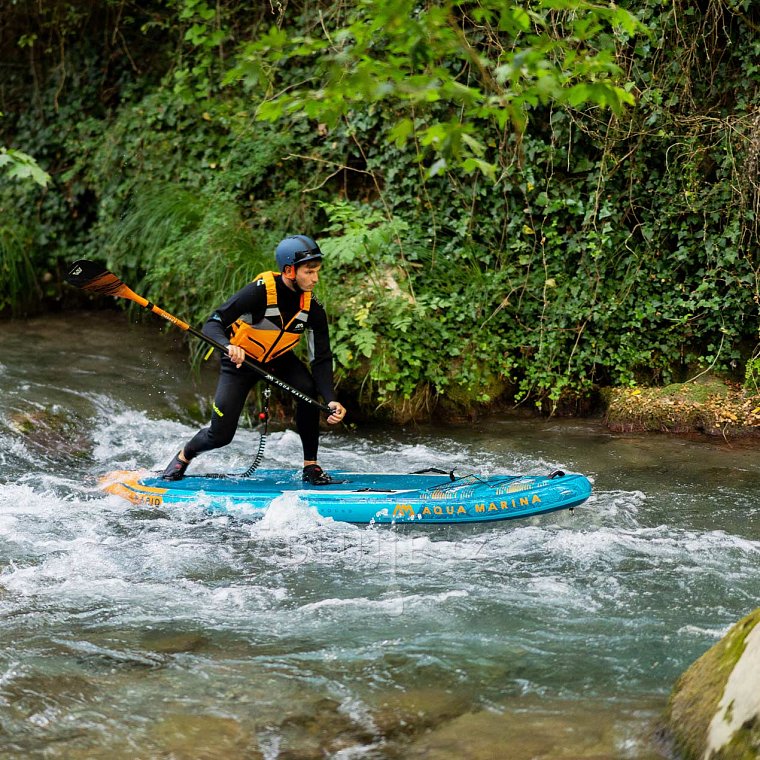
{"x": 320, "y": 353}
{"x": 249, "y": 300}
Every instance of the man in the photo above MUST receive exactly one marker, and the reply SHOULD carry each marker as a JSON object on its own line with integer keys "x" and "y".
{"x": 265, "y": 320}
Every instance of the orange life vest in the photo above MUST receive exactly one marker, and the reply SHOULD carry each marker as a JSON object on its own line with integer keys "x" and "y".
{"x": 271, "y": 337}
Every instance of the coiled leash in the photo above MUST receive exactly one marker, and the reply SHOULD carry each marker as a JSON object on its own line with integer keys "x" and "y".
{"x": 263, "y": 417}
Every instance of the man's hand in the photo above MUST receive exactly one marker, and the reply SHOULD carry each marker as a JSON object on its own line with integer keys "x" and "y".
{"x": 338, "y": 413}
{"x": 236, "y": 354}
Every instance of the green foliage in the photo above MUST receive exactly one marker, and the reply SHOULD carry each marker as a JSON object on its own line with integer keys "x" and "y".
{"x": 205, "y": 32}
{"x": 752, "y": 374}
{"x": 17, "y": 164}
{"x": 191, "y": 248}
{"x": 490, "y": 63}
{"x": 195, "y": 221}
{"x": 18, "y": 282}
{"x": 384, "y": 332}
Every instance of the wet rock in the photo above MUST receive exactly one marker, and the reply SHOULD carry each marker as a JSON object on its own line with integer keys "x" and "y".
{"x": 174, "y": 642}
{"x": 536, "y": 731}
{"x": 320, "y": 730}
{"x": 115, "y": 661}
{"x": 31, "y": 695}
{"x": 105, "y": 654}
{"x": 714, "y": 710}
{"x": 203, "y": 737}
{"x": 413, "y": 711}
{"x": 54, "y": 431}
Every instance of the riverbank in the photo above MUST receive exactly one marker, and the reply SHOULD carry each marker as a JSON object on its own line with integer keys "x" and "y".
{"x": 708, "y": 405}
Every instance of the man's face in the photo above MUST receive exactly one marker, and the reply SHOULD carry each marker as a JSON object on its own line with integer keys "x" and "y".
{"x": 307, "y": 275}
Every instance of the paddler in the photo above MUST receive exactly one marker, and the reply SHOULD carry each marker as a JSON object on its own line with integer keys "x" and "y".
{"x": 265, "y": 320}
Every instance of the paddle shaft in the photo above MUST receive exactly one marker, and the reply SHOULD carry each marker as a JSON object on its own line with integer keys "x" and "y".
{"x": 89, "y": 276}
{"x": 268, "y": 376}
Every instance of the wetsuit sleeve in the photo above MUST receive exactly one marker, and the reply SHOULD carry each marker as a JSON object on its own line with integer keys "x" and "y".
{"x": 320, "y": 353}
{"x": 250, "y": 300}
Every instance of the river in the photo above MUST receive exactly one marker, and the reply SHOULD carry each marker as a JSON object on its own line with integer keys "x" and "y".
{"x": 131, "y": 633}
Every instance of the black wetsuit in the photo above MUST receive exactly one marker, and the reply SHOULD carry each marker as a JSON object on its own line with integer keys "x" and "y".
{"x": 235, "y": 383}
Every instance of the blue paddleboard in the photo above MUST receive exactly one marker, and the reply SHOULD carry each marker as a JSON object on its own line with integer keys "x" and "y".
{"x": 365, "y": 498}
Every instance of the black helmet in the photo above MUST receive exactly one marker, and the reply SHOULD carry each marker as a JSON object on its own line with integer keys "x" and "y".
{"x": 296, "y": 249}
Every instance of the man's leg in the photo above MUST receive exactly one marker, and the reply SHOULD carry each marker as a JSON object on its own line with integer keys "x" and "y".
{"x": 290, "y": 369}
{"x": 231, "y": 392}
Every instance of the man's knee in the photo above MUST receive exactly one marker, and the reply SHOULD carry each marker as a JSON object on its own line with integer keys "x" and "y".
{"x": 219, "y": 438}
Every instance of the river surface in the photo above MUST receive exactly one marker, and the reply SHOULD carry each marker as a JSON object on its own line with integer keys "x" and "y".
{"x": 131, "y": 633}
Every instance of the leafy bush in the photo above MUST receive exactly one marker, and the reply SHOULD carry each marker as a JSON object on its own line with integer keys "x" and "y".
{"x": 18, "y": 280}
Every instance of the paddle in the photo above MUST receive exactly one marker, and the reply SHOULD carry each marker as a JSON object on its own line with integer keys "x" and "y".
{"x": 94, "y": 278}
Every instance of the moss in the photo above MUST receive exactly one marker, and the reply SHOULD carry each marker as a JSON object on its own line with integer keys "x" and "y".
{"x": 744, "y": 745}
{"x": 462, "y": 399}
{"x": 710, "y": 406}
{"x": 697, "y": 693}
{"x": 697, "y": 392}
